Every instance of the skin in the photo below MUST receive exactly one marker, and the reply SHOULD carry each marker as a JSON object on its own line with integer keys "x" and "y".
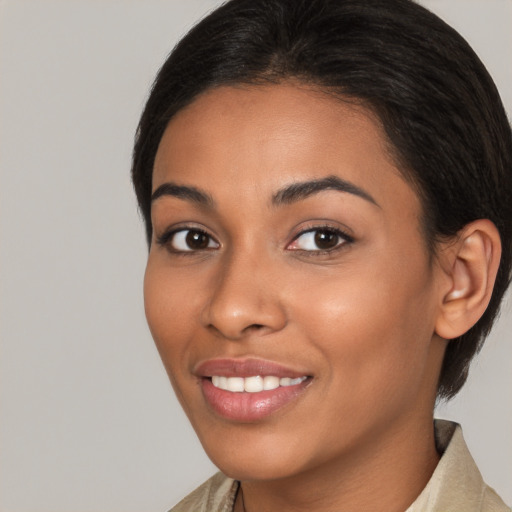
{"x": 360, "y": 318}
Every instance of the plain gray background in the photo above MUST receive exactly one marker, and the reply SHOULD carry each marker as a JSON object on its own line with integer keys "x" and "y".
{"x": 88, "y": 419}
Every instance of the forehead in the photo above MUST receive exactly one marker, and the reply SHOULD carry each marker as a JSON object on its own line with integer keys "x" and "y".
{"x": 260, "y": 138}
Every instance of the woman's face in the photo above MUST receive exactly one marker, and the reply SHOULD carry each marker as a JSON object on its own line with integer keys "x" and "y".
{"x": 288, "y": 286}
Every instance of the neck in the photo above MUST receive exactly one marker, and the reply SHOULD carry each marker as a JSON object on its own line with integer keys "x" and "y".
{"x": 387, "y": 475}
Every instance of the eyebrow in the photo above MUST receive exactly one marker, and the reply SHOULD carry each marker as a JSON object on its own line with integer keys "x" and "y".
{"x": 299, "y": 191}
{"x": 183, "y": 192}
{"x": 287, "y": 195}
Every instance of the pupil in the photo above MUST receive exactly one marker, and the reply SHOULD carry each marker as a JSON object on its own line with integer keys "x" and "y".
{"x": 197, "y": 240}
{"x": 326, "y": 239}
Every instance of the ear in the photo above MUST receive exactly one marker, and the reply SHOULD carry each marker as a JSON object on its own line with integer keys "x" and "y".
{"x": 470, "y": 266}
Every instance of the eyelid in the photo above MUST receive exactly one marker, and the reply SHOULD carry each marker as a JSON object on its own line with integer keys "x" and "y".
{"x": 168, "y": 235}
{"x": 341, "y": 233}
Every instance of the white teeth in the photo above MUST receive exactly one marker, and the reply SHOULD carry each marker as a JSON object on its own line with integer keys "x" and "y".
{"x": 298, "y": 380}
{"x": 235, "y": 384}
{"x": 253, "y": 384}
{"x": 287, "y": 381}
{"x": 270, "y": 382}
{"x": 220, "y": 382}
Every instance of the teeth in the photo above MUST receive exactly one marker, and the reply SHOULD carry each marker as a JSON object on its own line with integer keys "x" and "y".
{"x": 270, "y": 382}
{"x": 296, "y": 381}
{"x": 253, "y": 384}
{"x": 235, "y": 384}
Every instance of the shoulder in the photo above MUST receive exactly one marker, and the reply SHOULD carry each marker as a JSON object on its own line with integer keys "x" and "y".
{"x": 218, "y": 493}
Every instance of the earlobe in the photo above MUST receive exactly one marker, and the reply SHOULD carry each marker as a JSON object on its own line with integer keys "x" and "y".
{"x": 471, "y": 268}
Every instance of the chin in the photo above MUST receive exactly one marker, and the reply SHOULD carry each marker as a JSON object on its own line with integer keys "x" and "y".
{"x": 256, "y": 457}
{"x": 247, "y": 469}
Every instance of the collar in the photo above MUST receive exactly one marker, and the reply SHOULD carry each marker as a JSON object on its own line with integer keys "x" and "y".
{"x": 456, "y": 483}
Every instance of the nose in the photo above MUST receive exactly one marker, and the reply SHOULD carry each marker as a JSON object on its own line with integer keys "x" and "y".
{"x": 244, "y": 299}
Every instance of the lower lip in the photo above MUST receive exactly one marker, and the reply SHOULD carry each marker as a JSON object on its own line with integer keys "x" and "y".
{"x": 250, "y": 407}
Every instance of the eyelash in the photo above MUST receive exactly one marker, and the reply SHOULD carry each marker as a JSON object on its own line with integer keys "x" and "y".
{"x": 168, "y": 237}
{"x": 342, "y": 239}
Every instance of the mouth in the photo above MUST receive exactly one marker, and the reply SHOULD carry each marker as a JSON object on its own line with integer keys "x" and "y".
{"x": 249, "y": 390}
{"x": 254, "y": 384}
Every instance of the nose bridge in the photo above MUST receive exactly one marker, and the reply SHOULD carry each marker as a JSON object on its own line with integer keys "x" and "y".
{"x": 244, "y": 296}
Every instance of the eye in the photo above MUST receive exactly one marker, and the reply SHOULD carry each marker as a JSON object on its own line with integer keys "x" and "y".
{"x": 188, "y": 240}
{"x": 320, "y": 240}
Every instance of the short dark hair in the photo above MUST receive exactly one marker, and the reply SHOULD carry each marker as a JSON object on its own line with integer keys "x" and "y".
{"x": 438, "y": 105}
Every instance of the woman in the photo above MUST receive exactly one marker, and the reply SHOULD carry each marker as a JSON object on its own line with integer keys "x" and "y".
{"x": 327, "y": 188}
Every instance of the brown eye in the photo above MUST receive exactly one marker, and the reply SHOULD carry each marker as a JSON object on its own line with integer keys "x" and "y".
{"x": 188, "y": 240}
{"x": 197, "y": 240}
{"x": 326, "y": 240}
{"x": 320, "y": 240}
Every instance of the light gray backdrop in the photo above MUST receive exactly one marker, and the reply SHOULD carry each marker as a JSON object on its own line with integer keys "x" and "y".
{"x": 88, "y": 419}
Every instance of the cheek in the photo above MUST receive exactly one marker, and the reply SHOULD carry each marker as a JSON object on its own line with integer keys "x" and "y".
{"x": 170, "y": 301}
{"x": 373, "y": 326}
{"x": 171, "y": 306}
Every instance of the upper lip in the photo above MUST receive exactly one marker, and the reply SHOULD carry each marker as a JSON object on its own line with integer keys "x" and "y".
{"x": 244, "y": 368}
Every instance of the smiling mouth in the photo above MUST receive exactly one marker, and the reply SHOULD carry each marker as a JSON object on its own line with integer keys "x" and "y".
{"x": 251, "y": 399}
{"x": 254, "y": 384}
{"x": 249, "y": 389}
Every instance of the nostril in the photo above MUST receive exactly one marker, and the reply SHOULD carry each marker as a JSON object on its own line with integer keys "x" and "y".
{"x": 254, "y": 327}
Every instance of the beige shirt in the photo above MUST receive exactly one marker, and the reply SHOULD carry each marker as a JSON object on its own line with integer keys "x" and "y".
{"x": 455, "y": 486}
